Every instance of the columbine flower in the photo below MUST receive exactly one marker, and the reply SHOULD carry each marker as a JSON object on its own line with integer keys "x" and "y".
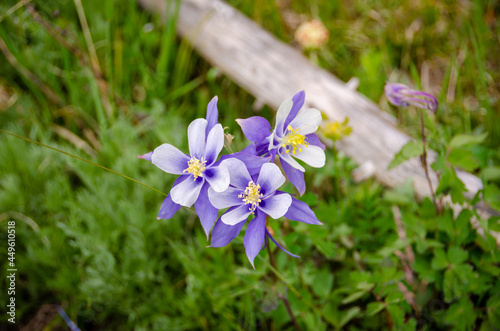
{"x": 254, "y": 195}
{"x": 402, "y": 96}
{"x": 293, "y": 137}
{"x": 198, "y": 171}
{"x": 311, "y": 34}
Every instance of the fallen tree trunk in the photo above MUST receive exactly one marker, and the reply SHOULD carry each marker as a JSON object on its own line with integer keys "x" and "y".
{"x": 273, "y": 71}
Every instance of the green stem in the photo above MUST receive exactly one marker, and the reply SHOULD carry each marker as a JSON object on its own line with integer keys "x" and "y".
{"x": 82, "y": 159}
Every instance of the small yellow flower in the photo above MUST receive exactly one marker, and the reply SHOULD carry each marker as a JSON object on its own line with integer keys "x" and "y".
{"x": 311, "y": 34}
{"x": 335, "y": 130}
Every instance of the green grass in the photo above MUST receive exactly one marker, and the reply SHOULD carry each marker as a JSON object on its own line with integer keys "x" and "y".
{"x": 97, "y": 248}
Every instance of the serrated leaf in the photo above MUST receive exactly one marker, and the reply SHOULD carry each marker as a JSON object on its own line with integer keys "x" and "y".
{"x": 410, "y": 150}
{"x": 349, "y": 315}
{"x": 464, "y": 159}
{"x": 466, "y": 139}
{"x": 456, "y": 255}
{"x": 439, "y": 261}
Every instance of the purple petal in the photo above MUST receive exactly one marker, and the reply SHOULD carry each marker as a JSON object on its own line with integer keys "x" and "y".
{"x": 217, "y": 177}
{"x": 300, "y": 211}
{"x": 212, "y": 115}
{"x": 228, "y": 198}
{"x": 255, "y": 128}
{"x": 254, "y": 236}
{"x": 222, "y": 234}
{"x": 238, "y": 173}
{"x": 313, "y": 139}
{"x": 295, "y": 176}
{"x": 169, "y": 159}
{"x": 206, "y": 212}
{"x": 236, "y": 215}
{"x": 187, "y": 192}
{"x": 298, "y": 102}
{"x": 215, "y": 142}
{"x": 146, "y": 156}
{"x": 270, "y": 178}
{"x": 284, "y": 250}
{"x": 276, "y": 205}
{"x": 168, "y": 207}
{"x": 197, "y": 137}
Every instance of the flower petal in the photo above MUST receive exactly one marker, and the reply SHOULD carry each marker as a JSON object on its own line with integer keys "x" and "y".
{"x": 286, "y": 157}
{"x": 300, "y": 211}
{"x": 313, "y": 139}
{"x": 307, "y": 121}
{"x": 295, "y": 176}
{"x": 298, "y": 102}
{"x": 222, "y": 234}
{"x": 276, "y": 205}
{"x": 238, "y": 173}
{"x": 197, "y": 137}
{"x": 236, "y": 215}
{"x": 254, "y": 236}
{"x": 255, "y": 128}
{"x": 281, "y": 116}
{"x": 228, "y": 198}
{"x": 252, "y": 162}
{"x": 168, "y": 208}
{"x": 270, "y": 178}
{"x": 187, "y": 192}
{"x": 284, "y": 250}
{"x": 215, "y": 142}
{"x": 312, "y": 155}
{"x": 206, "y": 212}
{"x": 217, "y": 177}
{"x": 212, "y": 114}
{"x": 169, "y": 159}
{"x": 146, "y": 156}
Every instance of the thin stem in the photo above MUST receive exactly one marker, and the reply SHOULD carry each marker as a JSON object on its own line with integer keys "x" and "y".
{"x": 82, "y": 159}
{"x": 424, "y": 157}
{"x": 285, "y": 300}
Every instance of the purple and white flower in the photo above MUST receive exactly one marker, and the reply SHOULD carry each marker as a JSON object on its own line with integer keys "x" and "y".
{"x": 402, "y": 96}
{"x": 198, "y": 171}
{"x": 254, "y": 195}
{"x": 292, "y": 138}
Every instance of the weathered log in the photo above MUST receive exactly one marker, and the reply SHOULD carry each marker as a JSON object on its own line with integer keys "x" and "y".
{"x": 273, "y": 71}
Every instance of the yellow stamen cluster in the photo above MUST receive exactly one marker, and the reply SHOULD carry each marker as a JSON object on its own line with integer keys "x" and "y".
{"x": 293, "y": 140}
{"x": 251, "y": 195}
{"x": 335, "y": 130}
{"x": 196, "y": 167}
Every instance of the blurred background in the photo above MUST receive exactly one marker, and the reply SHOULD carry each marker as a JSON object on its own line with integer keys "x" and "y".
{"x": 106, "y": 81}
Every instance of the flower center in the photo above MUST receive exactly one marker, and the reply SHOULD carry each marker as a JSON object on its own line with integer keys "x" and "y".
{"x": 293, "y": 140}
{"x": 251, "y": 195}
{"x": 196, "y": 167}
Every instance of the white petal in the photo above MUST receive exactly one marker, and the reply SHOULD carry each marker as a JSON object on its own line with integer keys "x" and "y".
{"x": 281, "y": 116}
{"x": 196, "y": 137}
{"x": 276, "y": 206}
{"x": 215, "y": 142}
{"x": 238, "y": 173}
{"x": 270, "y": 178}
{"x": 285, "y": 157}
{"x": 169, "y": 159}
{"x": 307, "y": 121}
{"x": 217, "y": 177}
{"x": 228, "y": 198}
{"x": 238, "y": 214}
{"x": 187, "y": 192}
{"x": 312, "y": 155}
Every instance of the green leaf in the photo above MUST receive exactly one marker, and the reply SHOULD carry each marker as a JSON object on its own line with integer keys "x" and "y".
{"x": 464, "y": 159}
{"x": 353, "y": 297}
{"x": 466, "y": 139}
{"x": 349, "y": 315}
{"x": 375, "y": 307}
{"x": 490, "y": 173}
{"x": 456, "y": 255}
{"x": 323, "y": 283}
{"x": 439, "y": 261}
{"x": 408, "y": 151}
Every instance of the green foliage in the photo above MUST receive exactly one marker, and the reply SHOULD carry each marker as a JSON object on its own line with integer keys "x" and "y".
{"x": 89, "y": 240}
